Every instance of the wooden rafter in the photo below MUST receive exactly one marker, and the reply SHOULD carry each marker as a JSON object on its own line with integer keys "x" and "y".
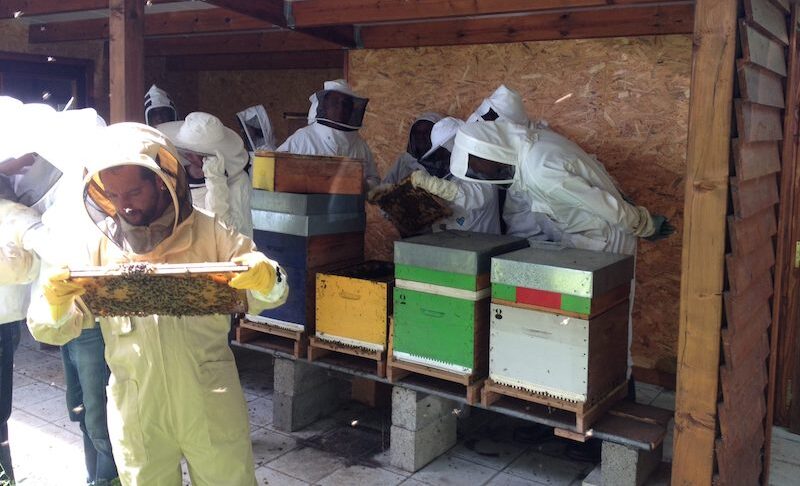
{"x": 274, "y": 60}
{"x": 277, "y": 41}
{"x": 42, "y": 7}
{"x": 673, "y": 18}
{"x": 273, "y": 11}
{"x": 315, "y": 13}
{"x": 702, "y": 267}
{"x": 171, "y": 23}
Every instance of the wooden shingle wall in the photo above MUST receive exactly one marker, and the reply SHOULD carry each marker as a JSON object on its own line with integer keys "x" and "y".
{"x": 752, "y": 225}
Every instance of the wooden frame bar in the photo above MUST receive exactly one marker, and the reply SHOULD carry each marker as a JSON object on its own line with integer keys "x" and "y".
{"x": 703, "y": 260}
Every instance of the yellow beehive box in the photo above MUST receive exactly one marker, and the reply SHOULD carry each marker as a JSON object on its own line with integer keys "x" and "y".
{"x": 353, "y": 305}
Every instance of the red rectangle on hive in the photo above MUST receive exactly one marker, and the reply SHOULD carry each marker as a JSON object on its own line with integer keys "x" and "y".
{"x": 542, "y": 298}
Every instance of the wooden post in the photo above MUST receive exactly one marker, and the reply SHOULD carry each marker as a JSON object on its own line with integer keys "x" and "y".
{"x": 704, "y": 241}
{"x": 126, "y": 60}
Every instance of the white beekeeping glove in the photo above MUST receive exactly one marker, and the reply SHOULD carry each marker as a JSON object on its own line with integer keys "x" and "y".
{"x": 446, "y": 190}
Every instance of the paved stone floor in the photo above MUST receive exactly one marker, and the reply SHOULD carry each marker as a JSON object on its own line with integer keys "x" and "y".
{"x": 47, "y": 449}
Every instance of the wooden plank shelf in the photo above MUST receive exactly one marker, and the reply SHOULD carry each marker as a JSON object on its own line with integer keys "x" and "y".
{"x": 294, "y": 343}
{"x": 582, "y": 414}
{"x": 359, "y": 358}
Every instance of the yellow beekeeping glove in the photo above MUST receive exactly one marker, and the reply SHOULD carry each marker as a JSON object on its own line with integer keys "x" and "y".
{"x": 61, "y": 293}
{"x": 260, "y": 277}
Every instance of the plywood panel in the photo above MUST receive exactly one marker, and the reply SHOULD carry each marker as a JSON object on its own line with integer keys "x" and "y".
{"x": 755, "y": 159}
{"x": 759, "y": 85}
{"x": 625, "y": 100}
{"x": 758, "y": 123}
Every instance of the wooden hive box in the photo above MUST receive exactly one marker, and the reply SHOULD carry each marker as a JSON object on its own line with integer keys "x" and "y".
{"x": 354, "y": 303}
{"x": 559, "y": 321}
{"x": 307, "y": 174}
{"x": 569, "y": 358}
{"x": 441, "y": 299}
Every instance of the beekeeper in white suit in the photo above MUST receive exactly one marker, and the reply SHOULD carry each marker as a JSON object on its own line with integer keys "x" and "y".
{"x": 506, "y": 105}
{"x": 562, "y": 181}
{"x": 475, "y": 206}
{"x": 215, "y": 160}
{"x": 419, "y": 142}
{"x": 158, "y": 107}
{"x": 334, "y": 118}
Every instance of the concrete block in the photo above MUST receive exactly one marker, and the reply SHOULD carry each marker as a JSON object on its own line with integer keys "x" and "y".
{"x": 413, "y": 410}
{"x": 411, "y": 450}
{"x": 626, "y": 466}
{"x": 292, "y": 412}
{"x": 291, "y": 377}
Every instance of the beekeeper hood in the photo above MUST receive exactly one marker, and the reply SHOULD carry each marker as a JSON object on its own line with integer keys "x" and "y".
{"x": 337, "y": 106}
{"x": 419, "y": 135}
{"x": 437, "y": 159}
{"x": 489, "y": 152}
{"x": 134, "y": 144}
{"x": 504, "y": 104}
{"x": 203, "y": 133}
{"x": 257, "y": 128}
{"x": 158, "y": 107}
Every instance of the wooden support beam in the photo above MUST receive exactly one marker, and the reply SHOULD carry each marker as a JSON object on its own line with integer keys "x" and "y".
{"x": 268, "y": 10}
{"x": 703, "y": 259}
{"x": 273, "y": 11}
{"x": 171, "y": 23}
{"x": 126, "y": 60}
{"x": 41, "y": 7}
{"x": 276, "y": 41}
{"x": 275, "y": 60}
{"x": 315, "y": 13}
{"x": 673, "y": 18}
{"x": 30, "y": 8}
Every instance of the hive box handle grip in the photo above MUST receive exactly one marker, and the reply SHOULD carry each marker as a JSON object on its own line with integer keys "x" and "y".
{"x": 432, "y": 313}
{"x": 349, "y": 296}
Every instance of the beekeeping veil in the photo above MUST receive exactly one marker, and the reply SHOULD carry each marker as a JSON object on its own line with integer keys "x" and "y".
{"x": 419, "y": 135}
{"x": 158, "y": 99}
{"x": 504, "y": 104}
{"x": 337, "y": 106}
{"x": 437, "y": 159}
{"x": 256, "y": 128}
{"x": 136, "y": 144}
{"x": 489, "y": 152}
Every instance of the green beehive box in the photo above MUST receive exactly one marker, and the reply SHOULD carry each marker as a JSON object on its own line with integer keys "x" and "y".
{"x": 443, "y": 332}
{"x": 441, "y": 299}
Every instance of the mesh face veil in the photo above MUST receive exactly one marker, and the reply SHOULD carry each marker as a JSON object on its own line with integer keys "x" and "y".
{"x": 343, "y": 110}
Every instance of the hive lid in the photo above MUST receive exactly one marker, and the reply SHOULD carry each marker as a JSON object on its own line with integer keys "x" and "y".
{"x": 455, "y": 251}
{"x": 306, "y": 204}
{"x": 570, "y": 271}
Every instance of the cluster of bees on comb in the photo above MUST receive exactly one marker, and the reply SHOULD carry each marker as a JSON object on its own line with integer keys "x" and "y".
{"x": 138, "y": 290}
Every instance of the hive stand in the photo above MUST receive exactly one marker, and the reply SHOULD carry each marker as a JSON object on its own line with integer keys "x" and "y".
{"x": 303, "y": 393}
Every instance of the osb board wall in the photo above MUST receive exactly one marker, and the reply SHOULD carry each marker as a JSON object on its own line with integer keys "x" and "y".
{"x": 624, "y": 99}
{"x": 223, "y": 93}
{"x": 14, "y": 38}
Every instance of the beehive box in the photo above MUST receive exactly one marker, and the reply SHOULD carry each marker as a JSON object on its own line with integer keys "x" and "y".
{"x": 141, "y": 289}
{"x": 563, "y": 280}
{"x": 308, "y": 224}
{"x": 441, "y": 298}
{"x": 301, "y": 258}
{"x": 554, "y": 355}
{"x": 306, "y": 204}
{"x": 353, "y": 305}
{"x": 307, "y": 174}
